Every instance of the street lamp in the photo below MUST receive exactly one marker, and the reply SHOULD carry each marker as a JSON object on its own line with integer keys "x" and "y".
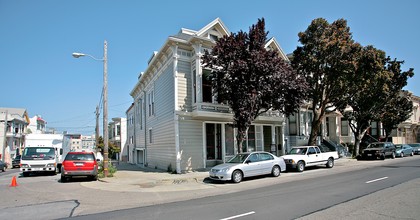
{"x": 105, "y": 101}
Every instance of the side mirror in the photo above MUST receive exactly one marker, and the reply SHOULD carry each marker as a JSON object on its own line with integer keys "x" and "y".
{"x": 248, "y": 161}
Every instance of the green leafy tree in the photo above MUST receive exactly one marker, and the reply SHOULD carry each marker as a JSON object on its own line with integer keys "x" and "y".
{"x": 252, "y": 79}
{"x": 326, "y": 61}
{"x": 398, "y": 110}
{"x": 112, "y": 148}
{"x": 379, "y": 81}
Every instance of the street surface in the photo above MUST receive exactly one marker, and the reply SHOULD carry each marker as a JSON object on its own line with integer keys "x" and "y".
{"x": 371, "y": 190}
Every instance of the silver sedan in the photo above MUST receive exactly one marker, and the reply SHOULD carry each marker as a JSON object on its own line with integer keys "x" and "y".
{"x": 247, "y": 165}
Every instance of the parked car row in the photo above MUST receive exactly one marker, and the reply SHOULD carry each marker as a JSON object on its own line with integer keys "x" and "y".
{"x": 262, "y": 163}
{"x": 383, "y": 150}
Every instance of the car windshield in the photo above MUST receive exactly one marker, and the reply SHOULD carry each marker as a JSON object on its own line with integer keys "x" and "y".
{"x": 85, "y": 157}
{"x": 375, "y": 146}
{"x": 398, "y": 147}
{"x": 38, "y": 153}
{"x": 239, "y": 158}
{"x": 296, "y": 150}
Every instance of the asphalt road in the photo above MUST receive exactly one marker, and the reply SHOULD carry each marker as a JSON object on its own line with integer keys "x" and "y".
{"x": 302, "y": 198}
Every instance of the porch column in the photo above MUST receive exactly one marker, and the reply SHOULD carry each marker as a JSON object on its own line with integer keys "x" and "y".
{"x": 198, "y": 72}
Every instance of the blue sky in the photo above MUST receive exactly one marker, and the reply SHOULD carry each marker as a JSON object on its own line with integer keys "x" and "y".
{"x": 38, "y": 37}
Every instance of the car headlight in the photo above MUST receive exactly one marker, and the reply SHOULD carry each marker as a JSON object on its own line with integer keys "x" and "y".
{"x": 51, "y": 165}
{"x": 24, "y": 165}
{"x": 224, "y": 170}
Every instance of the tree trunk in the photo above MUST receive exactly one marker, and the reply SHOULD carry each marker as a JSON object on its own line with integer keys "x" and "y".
{"x": 240, "y": 139}
{"x": 358, "y": 140}
{"x": 316, "y": 126}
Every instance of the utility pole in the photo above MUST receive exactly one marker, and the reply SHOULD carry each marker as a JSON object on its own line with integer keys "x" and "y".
{"x": 105, "y": 109}
{"x": 105, "y": 100}
{"x": 97, "y": 128}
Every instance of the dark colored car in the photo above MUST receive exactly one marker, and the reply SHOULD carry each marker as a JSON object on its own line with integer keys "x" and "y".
{"x": 16, "y": 161}
{"x": 416, "y": 147}
{"x": 79, "y": 164}
{"x": 379, "y": 150}
{"x": 3, "y": 166}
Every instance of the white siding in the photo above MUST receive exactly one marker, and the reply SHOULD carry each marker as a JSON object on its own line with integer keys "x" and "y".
{"x": 161, "y": 152}
{"x": 191, "y": 144}
{"x": 184, "y": 86}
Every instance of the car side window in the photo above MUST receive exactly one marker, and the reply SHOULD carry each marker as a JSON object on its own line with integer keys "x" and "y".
{"x": 264, "y": 157}
{"x": 311, "y": 150}
{"x": 253, "y": 158}
{"x": 318, "y": 150}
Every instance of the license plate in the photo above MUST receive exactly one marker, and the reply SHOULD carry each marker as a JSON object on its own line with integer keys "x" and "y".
{"x": 78, "y": 164}
{"x": 369, "y": 155}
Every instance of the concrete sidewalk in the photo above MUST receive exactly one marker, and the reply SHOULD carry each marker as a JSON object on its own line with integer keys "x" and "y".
{"x": 133, "y": 178}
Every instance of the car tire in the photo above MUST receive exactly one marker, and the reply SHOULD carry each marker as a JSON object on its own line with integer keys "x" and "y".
{"x": 94, "y": 178}
{"x": 393, "y": 155}
{"x": 383, "y": 157}
{"x": 330, "y": 163}
{"x": 300, "y": 166}
{"x": 63, "y": 179}
{"x": 237, "y": 176}
{"x": 412, "y": 154}
{"x": 275, "y": 171}
{"x": 402, "y": 154}
{"x": 3, "y": 169}
{"x": 25, "y": 174}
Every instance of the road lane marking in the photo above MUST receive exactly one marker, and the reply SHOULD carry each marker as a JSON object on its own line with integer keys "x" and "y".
{"x": 377, "y": 179}
{"x": 238, "y": 216}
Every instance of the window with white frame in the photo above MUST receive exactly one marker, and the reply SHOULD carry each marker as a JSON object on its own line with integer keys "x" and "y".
{"x": 207, "y": 87}
{"x": 292, "y": 125}
{"x": 344, "y": 127}
{"x": 140, "y": 112}
{"x": 150, "y": 136}
{"x": 374, "y": 128}
{"x": 151, "y": 98}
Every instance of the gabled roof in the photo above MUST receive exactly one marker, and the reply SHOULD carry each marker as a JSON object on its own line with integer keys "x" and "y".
{"x": 215, "y": 24}
{"x": 14, "y": 114}
{"x": 273, "y": 44}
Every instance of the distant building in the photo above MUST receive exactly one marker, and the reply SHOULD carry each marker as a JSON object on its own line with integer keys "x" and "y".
{"x": 409, "y": 130}
{"x": 118, "y": 136}
{"x": 37, "y": 125}
{"x": 89, "y": 142}
{"x": 13, "y": 125}
{"x": 130, "y": 145}
{"x": 72, "y": 142}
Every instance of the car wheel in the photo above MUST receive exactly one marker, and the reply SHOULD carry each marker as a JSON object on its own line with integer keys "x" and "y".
{"x": 237, "y": 176}
{"x": 94, "y": 178}
{"x": 412, "y": 154}
{"x": 393, "y": 155}
{"x": 25, "y": 174}
{"x": 330, "y": 163}
{"x": 300, "y": 167}
{"x": 402, "y": 154}
{"x": 383, "y": 157}
{"x": 3, "y": 169}
{"x": 63, "y": 179}
{"x": 275, "y": 171}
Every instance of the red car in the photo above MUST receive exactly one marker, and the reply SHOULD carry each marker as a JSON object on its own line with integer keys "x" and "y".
{"x": 79, "y": 164}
